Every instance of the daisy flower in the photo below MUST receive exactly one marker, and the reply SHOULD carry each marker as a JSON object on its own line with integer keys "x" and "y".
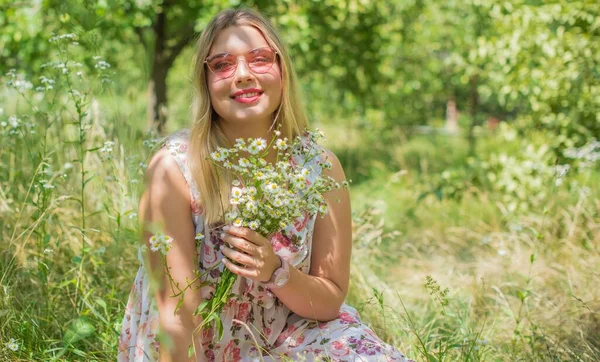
{"x": 236, "y": 192}
{"x": 12, "y": 345}
{"x": 254, "y": 224}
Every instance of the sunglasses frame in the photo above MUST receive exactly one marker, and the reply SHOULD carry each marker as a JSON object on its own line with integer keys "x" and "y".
{"x": 275, "y": 52}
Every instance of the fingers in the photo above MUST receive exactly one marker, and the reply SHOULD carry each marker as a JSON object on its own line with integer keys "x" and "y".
{"x": 247, "y": 234}
{"x": 240, "y": 243}
{"x": 239, "y": 270}
{"x": 240, "y": 257}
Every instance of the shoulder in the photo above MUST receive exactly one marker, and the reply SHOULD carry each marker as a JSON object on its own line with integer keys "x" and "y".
{"x": 163, "y": 177}
{"x": 177, "y": 142}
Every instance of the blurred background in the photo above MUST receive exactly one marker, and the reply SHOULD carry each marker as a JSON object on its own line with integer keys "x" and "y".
{"x": 469, "y": 128}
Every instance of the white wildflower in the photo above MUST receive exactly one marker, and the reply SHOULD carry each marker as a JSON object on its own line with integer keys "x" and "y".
{"x": 281, "y": 144}
{"x": 199, "y": 237}
{"x": 161, "y": 242}
{"x": 271, "y": 187}
{"x": 254, "y": 224}
{"x": 253, "y": 149}
{"x": 244, "y": 162}
{"x": 260, "y": 143}
{"x": 236, "y": 192}
{"x": 218, "y": 156}
{"x": 12, "y": 345}
{"x": 238, "y": 222}
{"x": 251, "y": 190}
{"x": 102, "y": 65}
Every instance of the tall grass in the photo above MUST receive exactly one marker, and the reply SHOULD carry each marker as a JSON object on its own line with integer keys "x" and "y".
{"x": 441, "y": 277}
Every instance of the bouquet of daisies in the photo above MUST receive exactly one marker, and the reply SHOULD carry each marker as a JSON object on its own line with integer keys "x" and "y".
{"x": 267, "y": 197}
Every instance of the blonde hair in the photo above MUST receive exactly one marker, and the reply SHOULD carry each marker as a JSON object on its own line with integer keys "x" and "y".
{"x": 206, "y": 135}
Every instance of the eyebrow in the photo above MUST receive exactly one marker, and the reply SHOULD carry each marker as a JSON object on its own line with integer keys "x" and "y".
{"x": 218, "y": 55}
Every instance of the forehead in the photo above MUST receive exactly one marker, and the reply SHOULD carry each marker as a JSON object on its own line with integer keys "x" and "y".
{"x": 238, "y": 39}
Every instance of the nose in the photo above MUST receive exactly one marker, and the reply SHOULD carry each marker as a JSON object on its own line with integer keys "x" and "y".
{"x": 242, "y": 73}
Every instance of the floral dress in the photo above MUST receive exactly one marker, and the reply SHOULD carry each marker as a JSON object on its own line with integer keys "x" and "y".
{"x": 268, "y": 323}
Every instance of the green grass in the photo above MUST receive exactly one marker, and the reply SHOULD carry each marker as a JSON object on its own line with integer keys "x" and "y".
{"x": 443, "y": 277}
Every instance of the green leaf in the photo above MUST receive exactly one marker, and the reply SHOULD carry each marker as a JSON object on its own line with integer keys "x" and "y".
{"x": 219, "y": 326}
{"x": 101, "y": 303}
{"x": 201, "y": 307}
{"x": 79, "y": 329}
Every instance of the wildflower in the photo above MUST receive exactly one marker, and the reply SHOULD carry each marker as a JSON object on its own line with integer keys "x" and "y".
{"x": 12, "y": 345}
{"x": 260, "y": 143}
{"x": 59, "y": 38}
{"x": 252, "y": 149}
{"x": 272, "y": 187}
{"x": 46, "y": 184}
{"x": 251, "y": 190}
{"x": 277, "y": 133}
{"x": 238, "y": 222}
{"x": 254, "y": 224}
{"x": 199, "y": 237}
{"x": 227, "y": 164}
{"x": 236, "y": 192}
{"x": 244, "y": 162}
{"x": 217, "y": 156}
{"x": 102, "y": 65}
{"x": 281, "y": 144}
{"x": 323, "y": 209}
{"x": 251, "y": 207}
{"x": 161, "y": 242}
{"x": 235, "y": 200}
{"x": 107, "y": 150}
{"x": 236, "y": 182}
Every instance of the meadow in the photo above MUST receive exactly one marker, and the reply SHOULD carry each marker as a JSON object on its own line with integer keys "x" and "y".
{"x": 490, "y": 256}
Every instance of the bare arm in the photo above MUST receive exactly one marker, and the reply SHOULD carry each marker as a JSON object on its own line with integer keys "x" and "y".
{"x": 166, "y": 203}
{"x": 320, "y": 294}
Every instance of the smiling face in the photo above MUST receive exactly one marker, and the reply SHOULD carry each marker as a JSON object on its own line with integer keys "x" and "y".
{"x": 254, "y": 109}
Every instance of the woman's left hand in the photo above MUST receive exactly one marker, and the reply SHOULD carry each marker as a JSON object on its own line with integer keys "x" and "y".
{"x": 252, "y": 251}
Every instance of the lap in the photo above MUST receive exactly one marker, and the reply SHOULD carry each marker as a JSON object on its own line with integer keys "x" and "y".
{"x": 345, "y": 338}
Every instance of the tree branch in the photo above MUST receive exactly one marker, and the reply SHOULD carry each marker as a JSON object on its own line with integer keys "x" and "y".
{"x": 187, "y": 32}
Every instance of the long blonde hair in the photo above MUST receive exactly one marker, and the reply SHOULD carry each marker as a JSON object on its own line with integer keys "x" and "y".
{"x": 206, "y": 135}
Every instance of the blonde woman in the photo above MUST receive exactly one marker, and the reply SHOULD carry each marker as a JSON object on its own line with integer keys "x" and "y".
{"x": 291, "y": 295}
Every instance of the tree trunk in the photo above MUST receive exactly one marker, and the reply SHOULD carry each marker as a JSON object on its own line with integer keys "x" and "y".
{"x": 474, "y": 109}
{"x": 157, "y": 86}
{"x": 157, "y": 98}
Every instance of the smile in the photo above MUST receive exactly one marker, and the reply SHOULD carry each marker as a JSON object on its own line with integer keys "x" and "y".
{"x": 249, "y": 97}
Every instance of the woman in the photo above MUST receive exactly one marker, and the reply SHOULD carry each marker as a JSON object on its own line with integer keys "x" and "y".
{"x": 291, "y": 294}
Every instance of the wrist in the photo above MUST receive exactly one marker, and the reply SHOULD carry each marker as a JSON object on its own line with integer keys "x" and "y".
{"x": 280, "y": 276}
{"x": 278, "y": 265}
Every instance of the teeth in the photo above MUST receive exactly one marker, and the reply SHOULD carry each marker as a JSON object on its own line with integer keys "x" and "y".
{"x": 248, "y": 95}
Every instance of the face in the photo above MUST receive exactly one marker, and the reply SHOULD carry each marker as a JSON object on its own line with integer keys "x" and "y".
{"x": 247, "y": 97}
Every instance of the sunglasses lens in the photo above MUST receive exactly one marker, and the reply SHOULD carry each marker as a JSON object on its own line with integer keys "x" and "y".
{"x": 261, "y": 60}
{"x": 223, "y": 66}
